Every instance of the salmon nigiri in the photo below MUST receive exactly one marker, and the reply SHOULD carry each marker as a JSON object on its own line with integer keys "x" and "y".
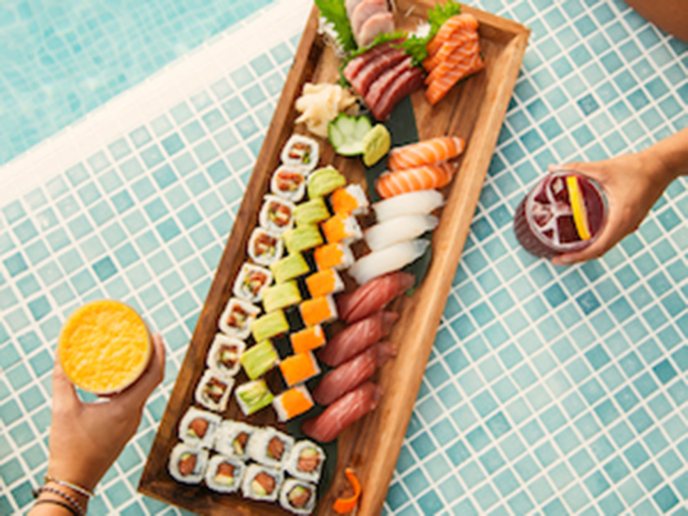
{"x": 427, "y": 152}
{"x": 426, "y": 177}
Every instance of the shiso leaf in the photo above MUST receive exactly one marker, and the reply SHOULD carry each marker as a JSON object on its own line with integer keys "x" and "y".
{"x": 334, "y": 11}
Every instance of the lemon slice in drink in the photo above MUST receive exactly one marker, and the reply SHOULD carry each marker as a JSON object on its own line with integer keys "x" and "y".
{"x": 376, "y": 145}
{"x": 580, "y": 214}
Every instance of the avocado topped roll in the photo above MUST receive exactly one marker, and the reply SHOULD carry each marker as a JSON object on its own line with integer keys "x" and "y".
{"x": 253, "y": 396}
{"x": 198, "y": 427}
{"x": 224, "y": 474}
{"x": 187, "y": 463}
{"x": 261, "y": 483}
{"x": 259, "y": 359}
{"x": 302, "y": 238}
{"x": 311, "y": 212}
{"x": 290, "y": 267}
{"x": 324, "y": 181}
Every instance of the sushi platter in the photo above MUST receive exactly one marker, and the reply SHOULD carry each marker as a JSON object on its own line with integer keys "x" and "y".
{"x": 300, "y": 380}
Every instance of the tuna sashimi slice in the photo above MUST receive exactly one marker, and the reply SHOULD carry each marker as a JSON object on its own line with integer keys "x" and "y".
{"x": 352, "y": 373}
{"x": 383, "y": 62}
{"x": 379, "y": 23}
{"x": 354, "y": 67}
{"x": 373, "y": 296}
{"x": 379, "y": 86}
{"x": 365, "y": 10}
{"x": 344, "y": 412}
{"x": 357, "y": 337}
{"x": 406, "y": 83}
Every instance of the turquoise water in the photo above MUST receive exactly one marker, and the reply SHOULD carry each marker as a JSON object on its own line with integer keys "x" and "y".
{"x": 60, "y": 60}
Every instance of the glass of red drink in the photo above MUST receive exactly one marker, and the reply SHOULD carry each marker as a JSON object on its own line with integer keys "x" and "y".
{"x": 564, "y": 213}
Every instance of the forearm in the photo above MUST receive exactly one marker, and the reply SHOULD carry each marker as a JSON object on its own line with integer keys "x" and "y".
{"x": 671, "y": 155}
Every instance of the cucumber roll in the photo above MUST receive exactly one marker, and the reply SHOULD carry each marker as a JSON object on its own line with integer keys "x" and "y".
{"x": 298, "y": 496}
{"x": 290, "y": 267}
{"x": 224, "y": 474}
{"x": 276, "y": 214}
{"x": 324, "y": 181}
{"x": 232, "y": 438}
{"x": 225, "y": 353}
{"x": 281, "y": 296}
{"x": 301, "y": 151}
{"x": 306, "y": 461}
{"x": 259, "y": 359}
{"x": 289, "y": 183}
{"x": 253, "y": 396}
{"x": 251, "y": 281}
{"x": 265, "y": 247}
{"x": 311, "y": 212}
{"x": 237, "y": 317}
{"x": 198, "y": 427}
{"x": 261, "y": 483}
{"x": 213, "y": 390}
{"x": 302, "y": 238}
{"x": 187, "y": 463}
{"x": 270, "y": 447}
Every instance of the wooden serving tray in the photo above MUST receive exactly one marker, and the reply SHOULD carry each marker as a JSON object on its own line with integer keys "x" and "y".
{"x": 474, "y": 110}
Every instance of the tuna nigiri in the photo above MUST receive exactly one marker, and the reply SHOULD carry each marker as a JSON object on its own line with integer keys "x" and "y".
{"x": 352, "y": 373}
{"x": 426, "y": 177}
{"x": 357, "y": 337}
{"x": 345, "y": 411}
{"x": 426, "y": 152}
{"x": 373, "y": 296}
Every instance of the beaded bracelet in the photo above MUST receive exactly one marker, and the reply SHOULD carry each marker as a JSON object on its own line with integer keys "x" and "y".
{"x": 74, "y": 487}
{"x": 67, "y": 498}
{"x": 58, "y": 502}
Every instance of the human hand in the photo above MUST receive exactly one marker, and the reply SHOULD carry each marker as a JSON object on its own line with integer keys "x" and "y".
{"x": 86, "y": 438}
{"x": 632, "y": 183}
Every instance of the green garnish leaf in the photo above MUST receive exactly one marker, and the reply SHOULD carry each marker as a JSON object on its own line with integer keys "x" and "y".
{"x": 417, "y": 46}
{"x": 379, "y": 40}
{"x": 334, "y": 11}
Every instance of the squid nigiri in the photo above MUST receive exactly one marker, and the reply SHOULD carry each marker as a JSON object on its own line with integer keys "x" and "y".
{"x": 400, "y": 229}
{"x": 352, "y": 373}
{"x": 425, "y": 177}
{"x": 390, "y": 259}
{"x": 357, "y": 337}
{"x": 373, "y": 296}
{"x": 345, "y": 411}
{"x": 426, "y": 152}
{"x": 413, "y": 203}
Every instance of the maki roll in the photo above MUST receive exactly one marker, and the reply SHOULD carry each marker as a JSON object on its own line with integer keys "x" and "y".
{"x": 289, "y": 183}
{"x": 251, "y": 281}
{"x": 259, "y": 359}
{"x": 224, "y": 474}
{"x": 253, "y": 396}
{"x": 225, "y": 353}
{"x": 269, "y": 325}
{"x": 302, "y": 238}
{"x": 270, "y": 447}
{"x": 261, "y": 483}
{"x": 232, "y": 438}
{"x": 324, "y": 181}
{"x": 341, "y": 228}
{"x": 318, "y": 310}
{"x": 308, "y": 339}
{"x": 290, "y": 267}
{"x": 299, "y": 368}
{"x": 292, "y": 403}
{"x": 306, "y": 461}
{"x": 324, "y": 283}
{"x": 311, "y": 212}
{"x": 213, "y": 390}
{"x": 198, "y": 427}
{"x": 237, "y": 317}
{"x": 187, "y": 463}
{"x": 350, "y": 200}
{"x": 276, "y": 214}
{"x": 265, "y": 247}
{"x": 333, "y": 256}
{"x": 301, "y": 151}
{"x": 298, "y": 496}
{"x": 281, "y": 295}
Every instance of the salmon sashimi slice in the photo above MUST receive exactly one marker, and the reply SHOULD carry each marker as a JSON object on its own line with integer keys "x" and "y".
{"x": 365, "y": 10}
{"x": 440, "y": 87}
{"x": 426, "y": 152}
{"x": 461, "y": 57}
{"x": 426, "y": 177}
{"x": 459, "y": 39}
{"x": 455, "y": 23}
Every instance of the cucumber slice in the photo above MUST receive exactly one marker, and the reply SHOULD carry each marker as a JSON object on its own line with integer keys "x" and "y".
{"x": 346, "y": 134}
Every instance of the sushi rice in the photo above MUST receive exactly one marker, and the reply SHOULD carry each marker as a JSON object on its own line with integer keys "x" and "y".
{"x": 294, "y": 490}
{"x": 302, "y": 152}
{"x": 225, "y": 353}
{"x": 306, "y": 461}
{"x": 399, "y": 229}
{"x": 276, "y": 214}
{"x": 226, "y": 438}
{"x": 390, "y": 259}
{"x": 252, "y": 488}
{"x": 415, "y": 203}
{"x": 194, "y": 432}
{"x": 182, "y": 452}
{"x": 290, "y": 174}
{"x": 223, "y": 483}
{"x": 265, "y": 247}
{"x": 237, "y": 317}
{"x": 264, "y": 442}
{"x": 221, "y": 383}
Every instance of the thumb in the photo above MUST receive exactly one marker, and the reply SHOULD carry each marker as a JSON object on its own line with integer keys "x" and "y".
{"x": 64, "y": 393}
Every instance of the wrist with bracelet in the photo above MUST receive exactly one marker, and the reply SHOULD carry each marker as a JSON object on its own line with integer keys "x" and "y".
{"x": 68, "y": 495}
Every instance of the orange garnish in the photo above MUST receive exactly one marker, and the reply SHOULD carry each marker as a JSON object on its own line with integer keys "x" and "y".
{"x": 346, "y": 505}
